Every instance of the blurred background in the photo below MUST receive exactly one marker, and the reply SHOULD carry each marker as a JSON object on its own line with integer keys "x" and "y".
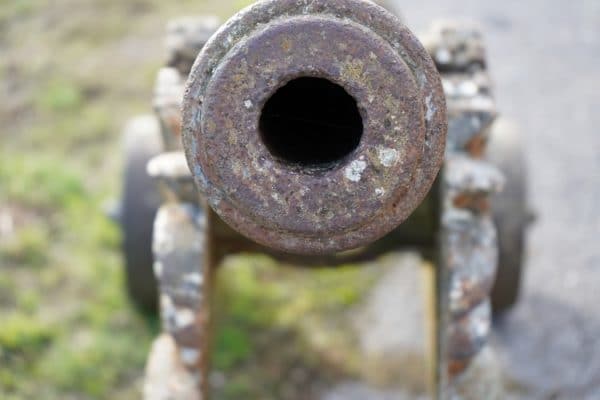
{"x": 73, "y": 71}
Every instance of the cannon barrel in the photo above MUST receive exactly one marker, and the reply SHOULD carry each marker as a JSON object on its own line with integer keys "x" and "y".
{"x": 314, "y": 126}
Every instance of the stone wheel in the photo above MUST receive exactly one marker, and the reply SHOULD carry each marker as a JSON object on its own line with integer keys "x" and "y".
{"x": 510, "y": 212}
{"x": 142, "y": 141}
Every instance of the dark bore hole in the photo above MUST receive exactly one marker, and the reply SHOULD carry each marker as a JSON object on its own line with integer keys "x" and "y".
{"x": 311, "y": 122}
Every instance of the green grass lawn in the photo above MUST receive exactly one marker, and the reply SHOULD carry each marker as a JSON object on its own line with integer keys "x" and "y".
{"x": 71, "y": 73}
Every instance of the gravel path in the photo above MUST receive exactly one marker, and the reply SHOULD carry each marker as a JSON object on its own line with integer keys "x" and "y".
{"x": 545, "y": 59}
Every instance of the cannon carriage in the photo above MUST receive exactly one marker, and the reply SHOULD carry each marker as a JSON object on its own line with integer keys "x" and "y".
{"x": 315, "y": 133}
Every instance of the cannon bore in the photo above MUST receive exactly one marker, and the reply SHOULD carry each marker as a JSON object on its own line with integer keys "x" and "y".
{"x": 311, "y": 122}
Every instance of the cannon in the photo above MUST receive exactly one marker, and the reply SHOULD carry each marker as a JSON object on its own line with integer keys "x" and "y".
{"x": 315, "y": 131}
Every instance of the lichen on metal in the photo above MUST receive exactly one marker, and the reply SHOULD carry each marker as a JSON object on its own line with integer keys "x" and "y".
{"x": 179, "y": 250}
{"x": 173, "y": 177}
{"x": 352, "y": 199}
{"x": 468, "y": 238}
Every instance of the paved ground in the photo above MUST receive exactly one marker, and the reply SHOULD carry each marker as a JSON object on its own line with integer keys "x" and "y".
{"x": 545, "y": 58}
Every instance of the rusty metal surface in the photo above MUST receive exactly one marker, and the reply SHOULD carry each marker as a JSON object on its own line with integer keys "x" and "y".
{"x": 167, "y": 378}
{"x": 184, "y": 39}
{"x": 168, "y": 93}
{"x": 468, "y": 262}
{"x": 472, "y": 254}
{"x": 468, "y": 238}
{"x": 456, "y": 46}
{"x": 471, "y": 110}
{"x": 171, "y": 173}
{"x": 467, "y": 336}
{"x": 186, "y": 36}
{"x": 184, "y": 273}
{"x": 300, "y": 208}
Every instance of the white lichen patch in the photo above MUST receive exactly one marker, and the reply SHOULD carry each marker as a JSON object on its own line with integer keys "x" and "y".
{"x": 166, "y": 304}
{"x": 449, "y": 87}
{"x": 158, "y": 269}
{"x": 430, "y": 108}
{"x": 248, "y": 104}
{"x": 194, "y": 278}
{"x": 183, "y": 317}
{"x": 379, "y": 191}
{"x": 468, "y": 89}
{"x": 354, "y": 171}
{"x": 189, "y": 356}
{"x": 279, "y": 199}
{"x": 200, "y": 178}
{"x": 163, "y": 241}
{"x": 388, "y": 156}
{"x": 443, "y": 56}
{"x": 215, "y": 200}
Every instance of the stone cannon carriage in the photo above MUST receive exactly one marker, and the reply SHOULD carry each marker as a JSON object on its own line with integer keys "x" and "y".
{"x": 314, "y": 131}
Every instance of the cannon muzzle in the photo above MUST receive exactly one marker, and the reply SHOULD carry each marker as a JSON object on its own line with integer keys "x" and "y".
{"x": 314, "y": 126}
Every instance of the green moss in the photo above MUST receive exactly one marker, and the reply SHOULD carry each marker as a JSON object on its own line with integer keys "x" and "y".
{"x": 238, "y": 388}
{"x": 29, "y": 246}
{"x": 16, "y": 9}
{"x": 22, "y": 334}
{"x": 7, "y": 290}
{"x": 91, "y": 363}
{"x": 38, "y": 181}
{"x": 234, "y": 347}
{"x": 28, "y": 301}
{"x": 264, "y": 293}
{"x": 60, "y": 96}
{"x": 262, "y": 306}
{"x": 88, "y": 133}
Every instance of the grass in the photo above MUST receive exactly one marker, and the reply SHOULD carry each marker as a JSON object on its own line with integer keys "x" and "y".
{"x": 66, "y": 297}
{"x": 67, "y": 328}
{"x": 275, "y": 321}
